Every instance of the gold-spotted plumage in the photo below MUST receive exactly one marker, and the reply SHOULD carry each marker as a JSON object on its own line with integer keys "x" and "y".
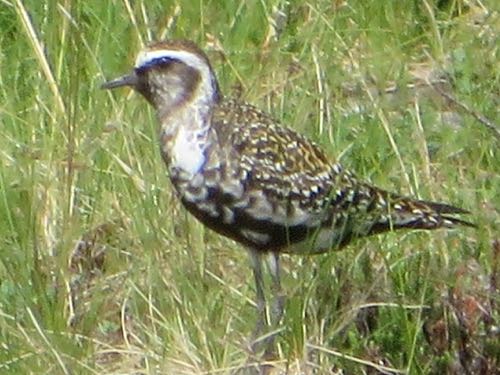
{"x": 246, "y": 176}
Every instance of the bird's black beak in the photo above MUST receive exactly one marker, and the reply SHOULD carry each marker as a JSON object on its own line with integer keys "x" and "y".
{"x": 126, "y": 80}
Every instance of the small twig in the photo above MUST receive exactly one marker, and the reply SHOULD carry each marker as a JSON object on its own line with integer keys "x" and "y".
{"x": 478, "y": 116}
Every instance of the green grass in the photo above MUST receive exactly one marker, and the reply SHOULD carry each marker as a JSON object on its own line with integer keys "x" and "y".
{"x": 87, "y": 211}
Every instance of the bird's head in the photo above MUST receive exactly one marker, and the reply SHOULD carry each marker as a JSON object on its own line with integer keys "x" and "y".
{"x": 170, "y": 74}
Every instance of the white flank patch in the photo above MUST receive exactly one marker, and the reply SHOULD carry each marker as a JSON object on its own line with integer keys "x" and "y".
{"x": 232, "y": 188}
{"x": 227, "y": 215}
{"x": 195, "y": 197}
{"x": 209, "y": 208}
{"x": 260, "y": 238}
{"x": 197, "y": 181}
{"x": 299, "y": 217}
{"x": 261, "y": 208}
{"x": 325, "y": 239}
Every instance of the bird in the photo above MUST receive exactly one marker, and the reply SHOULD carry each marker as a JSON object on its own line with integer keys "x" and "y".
{"x": 250, "y": 178}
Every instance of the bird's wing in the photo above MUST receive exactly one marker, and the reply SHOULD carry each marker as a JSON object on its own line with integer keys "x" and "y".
{"x": 278, "y": 161}
{"x": 290, "y": 182}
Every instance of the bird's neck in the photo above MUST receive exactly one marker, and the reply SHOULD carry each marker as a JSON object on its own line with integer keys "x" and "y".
{"x": 185, "y": 131}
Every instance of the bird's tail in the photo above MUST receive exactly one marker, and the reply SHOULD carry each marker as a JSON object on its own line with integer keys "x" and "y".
{"x": 400, "y": 212}
{"x": 363, "y": 210}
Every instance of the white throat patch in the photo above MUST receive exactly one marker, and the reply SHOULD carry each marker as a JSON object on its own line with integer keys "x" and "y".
{"x": 188, "y": 153}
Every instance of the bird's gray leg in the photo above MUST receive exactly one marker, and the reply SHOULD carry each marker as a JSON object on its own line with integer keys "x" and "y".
{"x": 256, "y": 260}
{"x": 266, "y": 338}
{"x": 278, "y": 303}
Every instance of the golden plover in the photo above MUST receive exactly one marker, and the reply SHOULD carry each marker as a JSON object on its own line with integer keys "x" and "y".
{"x": 247, "y": 177}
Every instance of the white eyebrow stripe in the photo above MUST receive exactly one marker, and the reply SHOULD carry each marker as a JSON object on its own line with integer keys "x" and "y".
{"x": 187, "y": 58}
